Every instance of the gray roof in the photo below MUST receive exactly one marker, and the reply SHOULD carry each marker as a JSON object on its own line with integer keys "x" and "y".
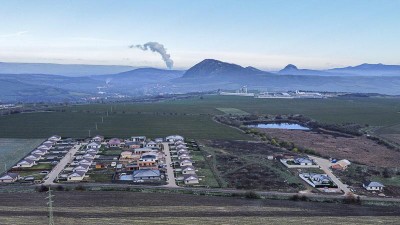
{"x": 80, "y": 173}
{"x": 190, "y": 177}
{"x": 187, "y": 168}
{"x": 11, "y": 175}
{"x": 373, "y": 184}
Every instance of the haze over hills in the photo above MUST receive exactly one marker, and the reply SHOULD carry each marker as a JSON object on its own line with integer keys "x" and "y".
{"x": 207, "y": 75}
{"x": 60, "y": 69}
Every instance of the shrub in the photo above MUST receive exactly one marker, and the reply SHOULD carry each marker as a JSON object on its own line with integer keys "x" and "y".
{"x": 252, "y": 195}
{"x": 80, "y": 188}
{"x": 42, "y": 188}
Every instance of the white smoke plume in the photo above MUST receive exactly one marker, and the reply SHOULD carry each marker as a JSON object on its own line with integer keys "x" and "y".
{"x": 159, "y": 48}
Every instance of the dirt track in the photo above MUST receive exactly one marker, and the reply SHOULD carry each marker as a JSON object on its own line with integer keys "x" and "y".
{"x": 116, "y": 207}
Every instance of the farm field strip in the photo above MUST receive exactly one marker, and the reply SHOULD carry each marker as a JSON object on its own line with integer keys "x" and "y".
{"x": 12, "y": 150}
{"x": 233, "y": 111}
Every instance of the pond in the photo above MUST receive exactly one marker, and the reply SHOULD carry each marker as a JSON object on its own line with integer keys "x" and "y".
{"x": 287, "y": 126}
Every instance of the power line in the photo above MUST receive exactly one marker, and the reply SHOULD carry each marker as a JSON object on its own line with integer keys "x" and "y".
{"x": 50, "y": 206}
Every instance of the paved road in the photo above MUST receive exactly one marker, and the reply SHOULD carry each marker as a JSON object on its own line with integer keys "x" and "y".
{"x": 61, "y": 165}
{"x": 170, "y": 169}
{"x": 325, "y": 164}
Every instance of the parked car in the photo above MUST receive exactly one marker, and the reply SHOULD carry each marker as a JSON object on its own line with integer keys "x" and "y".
{"x": 44, "y": 172}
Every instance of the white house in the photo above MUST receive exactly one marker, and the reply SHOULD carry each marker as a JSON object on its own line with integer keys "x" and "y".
{"x": 188, "y": 170}
{"x": 39, "y": 152}
{"x": 48, "y": 143}
{"x": 183, "y": 151}
{"x": 151, "y": 144}
{"x": 146, "y": 175}
{"x": 140, "y": 151}
{"x": 9, "y": 178}
{"x": 186, "y": 162}
{"x": 85, "y": 162}
{"x": 54, "y": 138}
{"x": 81, "y": 167}
{"x": 76, "y": 176}
{"x": 303, "y": 161}
{"x": 93, "y": 145}
{"x": 140, "y": 139}
{"x": 34, "y": 157}
{"x": 179, "y": 142}
{"x": 43, "y": 147}
{"x": 174, "y": 138}
{"x": 92, "y": 151}
{"x": 26, "y": 163}
{"x": 89, "y": 156}
{"x": 98, "y": 138}
{"x": 184, "y": 156}
{"x": 191, "y": 179}
{"x": 181, "y": 147}
{"x": 373, "y": 186}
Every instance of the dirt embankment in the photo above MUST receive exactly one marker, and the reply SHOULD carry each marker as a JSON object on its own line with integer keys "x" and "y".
{"x": 354, "y": 148}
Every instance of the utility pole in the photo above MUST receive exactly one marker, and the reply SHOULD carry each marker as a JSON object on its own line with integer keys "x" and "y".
{"x": 96, "y": 126}
{"x": 50, "y": 207}
{"x": 89, "y": 133}
{"x": 102, "y": 119}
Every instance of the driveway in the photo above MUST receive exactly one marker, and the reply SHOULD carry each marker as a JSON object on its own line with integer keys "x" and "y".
{"x": 69, "y": 156}
{"x": 325, "y": 166}
{"x": 170, "y": 169}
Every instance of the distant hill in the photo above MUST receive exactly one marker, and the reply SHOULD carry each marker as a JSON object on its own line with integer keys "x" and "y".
{"x": 293, "y": 70}
{"x": 60, "y": 69}
{"x": 369, "y": 70}
{"x": 217, "y": 69}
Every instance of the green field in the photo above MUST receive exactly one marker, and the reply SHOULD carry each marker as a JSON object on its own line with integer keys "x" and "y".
{"x": 12, "y": 150}
{"x": 191, "y": 117}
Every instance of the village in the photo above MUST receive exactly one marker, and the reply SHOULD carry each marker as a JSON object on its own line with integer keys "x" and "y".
{"x": 137, "y": 160}
{"x": 160, "y": 161}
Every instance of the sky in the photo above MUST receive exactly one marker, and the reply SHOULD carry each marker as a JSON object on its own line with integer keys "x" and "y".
{"x": 314, "y": 34}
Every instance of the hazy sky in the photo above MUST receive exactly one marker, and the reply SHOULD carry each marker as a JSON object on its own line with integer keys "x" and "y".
{"x": 264, "y": 34}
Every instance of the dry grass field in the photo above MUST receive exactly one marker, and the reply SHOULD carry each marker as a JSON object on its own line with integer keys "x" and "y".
{"x": 355, "y": 149}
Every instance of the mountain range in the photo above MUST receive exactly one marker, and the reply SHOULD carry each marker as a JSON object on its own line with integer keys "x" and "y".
{"x": 55, "y": 82}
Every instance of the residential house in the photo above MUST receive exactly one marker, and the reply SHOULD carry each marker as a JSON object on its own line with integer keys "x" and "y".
{"x": 9, "y": 178}
{"x": 149, "y": 155}
{"x": 114, "y": 143}
{"x": 184, "y": 156}
{"x": 54, "y": 138}
{"x": 179, "y": 143}
{"x": 43, "y": 147}
{"x": 185, "y": 162}
{"x": 76, "y": 176}
{"x": 140, "y": 139}
{"x": 26, "y": 163}
{"x": 48, "y": 143}
{"x": 152, "y": 144}
{"x": 34, "y": 157}
{"x": 89, "y": 156}
{"x": 303, "y": 161}
{"x": 146, "y": 175}
{"x": 93, "y": 145}
{"x": 341, "y": 164}
{"x": 92, "y": 151}
{"x": 188, "y": 170}
{"x": 98, "y": 139}
{"x": 182, "y": 151}
{"x": 181, "y": 147}
{"x": 132, "y": 144}
{"x": 190, "y": 179}
{"x": 174, "y": 138}
{"x": 85, "y": 162}
{"x": 39, "y": 152}
{"x": 81, "y": 167}
{"x": 373, "y": 186}
{"x": 126, "y": 155}
{"x": 159, "y": 140}
{"x": 141, "y": 151}
{"x": 147, "y": 164}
